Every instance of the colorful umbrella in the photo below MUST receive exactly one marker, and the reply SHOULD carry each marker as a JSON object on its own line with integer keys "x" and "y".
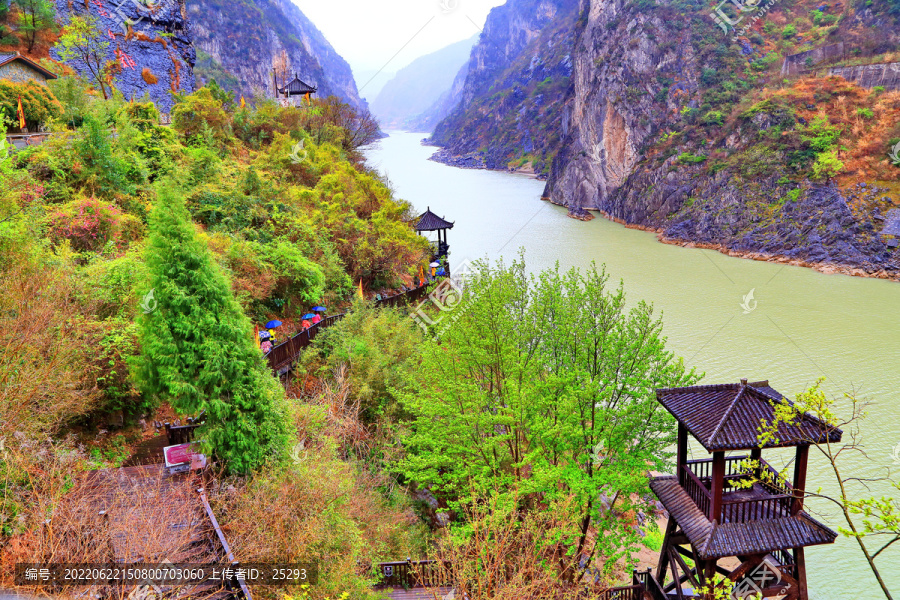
{"x": 318, "y": 309}
{"x": 435, "y": 264}
{"x": 308, "y": 316}
{"x": 273, "y": 324}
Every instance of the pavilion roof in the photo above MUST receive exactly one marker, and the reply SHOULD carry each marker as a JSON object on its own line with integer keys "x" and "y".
{"x": 727, "y": 416}
{"x": 297, "y": 87}
{"x": 431, "y": 222}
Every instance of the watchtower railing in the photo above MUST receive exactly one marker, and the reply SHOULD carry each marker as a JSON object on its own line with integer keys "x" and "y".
{"x": 697, "y": 483}
{"x": 646, "y": 580}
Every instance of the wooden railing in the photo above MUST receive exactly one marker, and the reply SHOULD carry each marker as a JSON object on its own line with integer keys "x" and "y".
{"x": 756, "y": 509}
{"x": 410, "y": 574}
{"x": 646, "y": 580}
{"x": 282, "y": 357}
{"x": 697, "y": 490}
{"x": 698, "y": 481}
{"x": 182, "y": 434}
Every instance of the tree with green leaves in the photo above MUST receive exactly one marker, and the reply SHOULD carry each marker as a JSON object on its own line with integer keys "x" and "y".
{"x": 545, "y": 384}
{"x": 82, "y": 40}
{"x": 873, "y": 522}
{"x": 37, "y": 16}
{"x": 197, "y": 347}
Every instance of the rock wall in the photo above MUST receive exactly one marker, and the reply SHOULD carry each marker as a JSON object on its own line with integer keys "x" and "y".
{"x": 246, "y": 38}
{"x": 886, "y": 75}
{"x": 151, "y": 44}
{"x": 517, "y": 78}
{"x": 796, "y": 63}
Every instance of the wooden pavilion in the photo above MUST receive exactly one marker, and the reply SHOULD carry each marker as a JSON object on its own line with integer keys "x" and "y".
{"x": 294, "y": 88}
{"x": 720, "y": 511}
{"x": 429, "y": 221}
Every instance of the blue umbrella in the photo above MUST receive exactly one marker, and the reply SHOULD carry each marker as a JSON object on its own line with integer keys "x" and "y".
{"x": 318, "y": 309}
{"x": 273, "y": 324}
{"x": 308, "y": 316}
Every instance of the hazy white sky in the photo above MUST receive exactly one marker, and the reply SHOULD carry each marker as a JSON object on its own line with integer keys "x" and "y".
{"x": 386, "y": 35}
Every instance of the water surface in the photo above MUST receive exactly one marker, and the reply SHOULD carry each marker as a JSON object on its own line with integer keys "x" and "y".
{"x": 805, "y": 324}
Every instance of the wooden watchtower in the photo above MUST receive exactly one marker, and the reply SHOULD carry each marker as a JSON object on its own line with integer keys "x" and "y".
{"x": 429, "y": 221}
{"x": 753, "y": 535}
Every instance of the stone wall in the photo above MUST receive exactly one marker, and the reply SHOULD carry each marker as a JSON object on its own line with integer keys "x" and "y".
{"x": 886, "y": 75}
{"x": 20, "y": 72}
{"x": 795, "y": 63}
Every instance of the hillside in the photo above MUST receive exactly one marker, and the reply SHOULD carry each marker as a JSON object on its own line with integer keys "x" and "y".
{"x": 510, "y": 108}
{"x": 246, "y": 39}
{"x": 419, "y": 85}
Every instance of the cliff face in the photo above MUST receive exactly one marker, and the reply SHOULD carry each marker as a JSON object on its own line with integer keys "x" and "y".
{"x": 151, "y": 46}
{"x": 671, "y": 125}
{"x": 245, "y": 39}
{"x": 510, "y": 105}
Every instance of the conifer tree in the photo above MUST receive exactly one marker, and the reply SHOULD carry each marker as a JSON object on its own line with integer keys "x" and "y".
{"x": 197, "y": 350}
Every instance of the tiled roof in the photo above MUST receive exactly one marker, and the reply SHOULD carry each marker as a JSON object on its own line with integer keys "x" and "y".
{"x": 431, "y": 222}
{"x": 297, "y": 87}
{"x": 727, "y": 416}
{"x": 717, "y": 540}
{"x": 9, "y": 57}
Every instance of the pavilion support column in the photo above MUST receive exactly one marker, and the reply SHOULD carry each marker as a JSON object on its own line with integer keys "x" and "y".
{"x": 800, "y": 465}
{"x": 718, "y": 486}
{"x": 681, "y": 457}
{"x": 800, "y": 566}
{"x": 756, "y": 456}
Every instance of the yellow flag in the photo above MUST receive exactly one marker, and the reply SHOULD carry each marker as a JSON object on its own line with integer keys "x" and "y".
{"x": 21, "y": 114}
{"x": 308, "y": 98}
{"x": 243, "y": 104}
{"x": 361, "y": 290}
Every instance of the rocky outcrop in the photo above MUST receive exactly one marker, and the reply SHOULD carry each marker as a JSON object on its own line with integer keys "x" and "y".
{"x": 886, "y": 75}
{"x": 247, "y": 39}
{"x": 795, "y": 63}
{"x": 640, "y": 133}
{"x": 151, "y": 46}
{"x": 518, "y": 75}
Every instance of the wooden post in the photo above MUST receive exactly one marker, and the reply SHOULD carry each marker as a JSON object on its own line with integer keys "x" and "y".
{"x": 756, "y": 455}
{"x": 800, "y": 478}
{"x": 800, "y": 573}
{"x": 718, "y": 486}
{"x": 681, "y": 457}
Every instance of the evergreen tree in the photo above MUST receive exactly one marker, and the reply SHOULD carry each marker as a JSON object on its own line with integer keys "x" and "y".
{"x": 197, "y": 346}
{"x": 37, "y": 16}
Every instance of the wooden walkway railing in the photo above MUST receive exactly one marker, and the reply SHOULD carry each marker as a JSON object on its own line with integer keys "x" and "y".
{"x": 282, "y": 357}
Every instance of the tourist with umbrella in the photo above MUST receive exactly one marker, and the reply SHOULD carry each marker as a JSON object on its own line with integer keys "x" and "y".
{"x": 306, "y": 324}
{"x": 272, "y": 326}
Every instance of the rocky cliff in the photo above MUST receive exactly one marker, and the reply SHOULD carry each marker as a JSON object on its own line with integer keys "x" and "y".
{"x": 149, "y": 43}
{"x": 510, "y": 106}
{"x": 674, "y": 125}
{"x": 246, "y": 39}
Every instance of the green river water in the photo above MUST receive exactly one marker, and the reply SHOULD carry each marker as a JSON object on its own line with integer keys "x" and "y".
{"x": 805, "y": 324}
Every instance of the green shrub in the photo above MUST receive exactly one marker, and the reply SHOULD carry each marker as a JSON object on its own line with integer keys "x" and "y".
{"x": 865, "y": 113}
{"x": 713, "y": 117}
{"x": 789, "y": 31}
{"x": 692, "y": 159}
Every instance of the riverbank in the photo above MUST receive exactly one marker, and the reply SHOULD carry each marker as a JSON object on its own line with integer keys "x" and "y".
{"x": 476, "y": 160}
{"x": 828, "y": 268}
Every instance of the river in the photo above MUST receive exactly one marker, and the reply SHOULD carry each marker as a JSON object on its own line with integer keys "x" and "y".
{"x": 803, "y": 324}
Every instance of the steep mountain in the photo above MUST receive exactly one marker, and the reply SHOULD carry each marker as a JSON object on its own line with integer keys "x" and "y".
{"x": 246, "y": 39}
{"x": 684, "y": 126}
{"x": 419, "y": 85}
{"x": 443, "y": 106}
{"x": 150, "y": 49}
{"x": 510, "y": 109}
